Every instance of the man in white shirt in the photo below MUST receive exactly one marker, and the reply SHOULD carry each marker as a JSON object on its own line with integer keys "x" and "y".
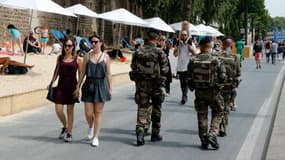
{"x": 183, "y": 50}
{"x": 274, "y": 51}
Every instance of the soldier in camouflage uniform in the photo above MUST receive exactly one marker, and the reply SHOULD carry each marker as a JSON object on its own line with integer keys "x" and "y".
{"x": 206, "y": 75}
{"x": 232, "y": 65}
{"x": 149, "y": 68}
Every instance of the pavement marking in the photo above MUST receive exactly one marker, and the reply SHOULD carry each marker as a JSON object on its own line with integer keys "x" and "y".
{"x": 250, "y": 142}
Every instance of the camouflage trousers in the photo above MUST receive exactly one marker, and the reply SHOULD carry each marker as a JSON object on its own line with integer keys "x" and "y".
{"x": 149, "y": 99}
{"x": 229, "y": 95}
{"x": 203, "y": 99}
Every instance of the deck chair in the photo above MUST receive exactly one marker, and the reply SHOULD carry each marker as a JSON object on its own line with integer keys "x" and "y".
{"x": 57, "y": 34}
{"x": 126, "y": 44}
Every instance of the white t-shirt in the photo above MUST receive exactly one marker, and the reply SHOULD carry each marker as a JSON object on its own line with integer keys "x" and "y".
{"x": 274, "y": 47}
{"x": 183, "y": 57}
{"x": 56, "y": 47}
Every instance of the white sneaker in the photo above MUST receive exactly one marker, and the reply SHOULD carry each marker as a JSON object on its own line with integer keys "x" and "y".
{"x": 95, "y": 142}
{"x": 90, "y": 133}
{"x": 68, "y": 137}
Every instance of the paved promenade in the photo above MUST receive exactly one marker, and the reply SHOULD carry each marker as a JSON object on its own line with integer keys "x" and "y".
{"x": 277, "y": 141}
{"x": 40, "y": 75}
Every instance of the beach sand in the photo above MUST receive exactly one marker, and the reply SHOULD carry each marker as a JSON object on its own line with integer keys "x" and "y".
{"x": 40, "y": 76}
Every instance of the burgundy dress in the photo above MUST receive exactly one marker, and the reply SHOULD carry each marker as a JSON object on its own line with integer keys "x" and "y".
{"x": 67, "y": 82}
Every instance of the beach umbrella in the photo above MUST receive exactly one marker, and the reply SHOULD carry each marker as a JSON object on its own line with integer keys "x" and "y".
{"x": 82, "y": 10}
{"x": 122, "y": 16}
{"x": 37, "y": 5}
{"x": 158, "y": 23}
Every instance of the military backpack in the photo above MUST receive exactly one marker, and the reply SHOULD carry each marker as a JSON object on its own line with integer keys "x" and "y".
{"x": 229, "y": 61}
{"x": 204, "y": 71}
{"x": 145, "y": 64}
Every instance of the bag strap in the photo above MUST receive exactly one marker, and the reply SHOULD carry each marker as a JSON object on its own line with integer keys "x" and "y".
{"x": 55, "y": 73}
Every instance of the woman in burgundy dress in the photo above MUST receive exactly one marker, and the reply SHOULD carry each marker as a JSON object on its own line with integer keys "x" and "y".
{"x": 68, "y": 64}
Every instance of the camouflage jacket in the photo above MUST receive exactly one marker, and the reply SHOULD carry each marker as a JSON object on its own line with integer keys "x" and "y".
{"x": 159, "y": 57}
{"x": 211, "y": 76}
{"x": 236, "y": 71}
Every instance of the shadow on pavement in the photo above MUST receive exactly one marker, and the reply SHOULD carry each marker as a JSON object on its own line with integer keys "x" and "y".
{"x": 246, "y": 115}
{"x": 172, "y": 144}
{"x": 118, "y": 131}
{"x": 40, "y": 138}
{"x": 183, "y": 131}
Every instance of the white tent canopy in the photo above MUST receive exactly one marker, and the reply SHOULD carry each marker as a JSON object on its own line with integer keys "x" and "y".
{"x": 39, "y": 5}
{"x": 192, "y": 29}
{"x": 214, "y": 31}
{"x": 80, "y": 9}
{"x": 158, "y": 23}
{"x": 122, "y": 16}
{"x": 201, "y": 29}
{"x": 209, "y": 31}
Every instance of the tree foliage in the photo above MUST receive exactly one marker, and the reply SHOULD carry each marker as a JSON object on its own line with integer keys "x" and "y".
{"x": 277, "y": 23}
{"x": 228, "y": 15}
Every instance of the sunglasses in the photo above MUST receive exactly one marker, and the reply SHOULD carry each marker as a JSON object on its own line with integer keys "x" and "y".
{"x": 94, "y": 42}
{"x": 68, "y": 45}
{"x": 162, "y": 40}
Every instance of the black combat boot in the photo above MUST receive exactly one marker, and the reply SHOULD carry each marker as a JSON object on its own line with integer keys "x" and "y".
{"x": 140, "y": 138}
{"x": 204, "y": 146}
{"x": 155, "y": 137}
{"x": 146, "y": 132}
{"x": 222, "y": 134}
{"x": 183, "y": 100}
{"x": 213, "y": 141}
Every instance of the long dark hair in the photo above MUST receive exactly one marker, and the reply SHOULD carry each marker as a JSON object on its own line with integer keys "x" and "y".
{"x": 73, "y": 43}
{"x": 98, "y": 37}
{"x": 11, "y": 26}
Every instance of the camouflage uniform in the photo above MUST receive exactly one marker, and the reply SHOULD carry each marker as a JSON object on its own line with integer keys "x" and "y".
{"x": 207, "y": 93}
{"x": 232, "y": 63}
{"x": 149, "y": 95}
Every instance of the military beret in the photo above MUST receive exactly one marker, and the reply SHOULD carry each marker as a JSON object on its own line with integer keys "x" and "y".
{"x": 204, "y": 41}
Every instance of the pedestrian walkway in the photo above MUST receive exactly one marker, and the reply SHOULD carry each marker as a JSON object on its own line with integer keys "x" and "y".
{"x": 21, "y": 92}
{"x": 277, "y": 140}
{"x": 38, "y": 129}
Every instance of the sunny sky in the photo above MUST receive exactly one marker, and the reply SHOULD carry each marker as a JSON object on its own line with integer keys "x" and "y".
{"x": 275, "y": 7}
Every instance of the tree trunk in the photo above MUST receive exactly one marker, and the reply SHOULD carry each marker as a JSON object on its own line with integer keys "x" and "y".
{"x": 187, "y": 9}
{"x": 103, "y": 3}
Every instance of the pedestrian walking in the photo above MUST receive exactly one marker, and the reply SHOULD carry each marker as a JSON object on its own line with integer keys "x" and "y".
{"x": 206, "y": 75}
{"x": 231, "y": 62}
{"x": 67, "y": 65}
{"x": 149, "y": 68}
{"x": 165, "y": 46}
{"x": 97, "y": 88}
{"x": 267, "y": 48}
{"x": 240, "y": 46}
{"x": 274, "y": 48}
{"x": 183, "y": 51}
{"x": 257, "y": 53}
